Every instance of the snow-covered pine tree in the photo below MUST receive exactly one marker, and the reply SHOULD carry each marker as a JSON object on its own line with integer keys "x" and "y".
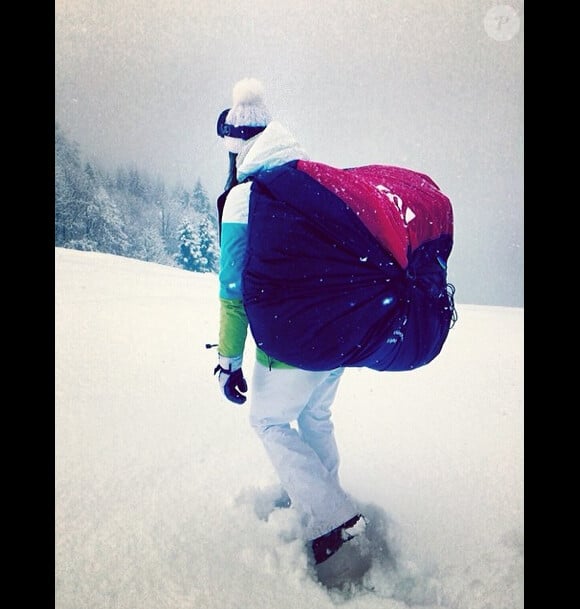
{"x": 198, "y": 246}
{"x": 201, "y": 201}
{"x": 71, "y": 193}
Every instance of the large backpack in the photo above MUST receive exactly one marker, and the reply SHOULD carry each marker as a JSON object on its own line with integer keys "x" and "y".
{"x": 348, "y": 267}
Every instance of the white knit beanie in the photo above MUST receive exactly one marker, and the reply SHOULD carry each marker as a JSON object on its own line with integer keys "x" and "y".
{"x": 248, "y": 110}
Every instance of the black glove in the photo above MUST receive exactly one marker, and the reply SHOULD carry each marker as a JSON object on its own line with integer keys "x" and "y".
{"x": 231, "y": 378}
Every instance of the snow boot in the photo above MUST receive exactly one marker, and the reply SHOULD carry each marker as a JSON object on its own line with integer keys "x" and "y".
{"x": 338, "y": 563}
{"x": 326, "y": 545}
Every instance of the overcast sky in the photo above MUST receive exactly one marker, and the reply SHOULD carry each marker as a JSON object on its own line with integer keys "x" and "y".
{"x": 432, "y": 85}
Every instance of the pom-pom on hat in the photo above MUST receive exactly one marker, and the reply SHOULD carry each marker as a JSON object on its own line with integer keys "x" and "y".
{"x": 246, "y": 118}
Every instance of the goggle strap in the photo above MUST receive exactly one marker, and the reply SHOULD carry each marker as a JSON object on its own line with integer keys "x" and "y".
{"x": 244, "y": 133}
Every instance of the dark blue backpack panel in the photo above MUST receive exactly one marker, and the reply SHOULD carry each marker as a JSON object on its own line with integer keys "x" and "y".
{"x": 320, "y": 292}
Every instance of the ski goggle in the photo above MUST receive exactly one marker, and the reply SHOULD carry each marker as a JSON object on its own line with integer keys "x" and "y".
{"x": 244, "y": 133}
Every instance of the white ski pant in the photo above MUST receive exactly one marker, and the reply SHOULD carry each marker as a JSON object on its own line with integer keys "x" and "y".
{"x": 290, "y": 411}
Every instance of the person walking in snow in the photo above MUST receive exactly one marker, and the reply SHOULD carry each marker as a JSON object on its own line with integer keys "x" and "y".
{"x": 290, "y": 408}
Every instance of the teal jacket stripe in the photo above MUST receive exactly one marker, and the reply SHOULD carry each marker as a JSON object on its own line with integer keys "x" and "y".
{"x": 233, "y": 251}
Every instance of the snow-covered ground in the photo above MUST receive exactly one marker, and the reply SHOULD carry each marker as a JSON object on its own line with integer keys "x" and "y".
{"x": 161, "y": 485}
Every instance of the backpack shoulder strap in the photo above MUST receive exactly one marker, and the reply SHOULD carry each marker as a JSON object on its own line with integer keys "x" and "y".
{"x": 221, "y": 201}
